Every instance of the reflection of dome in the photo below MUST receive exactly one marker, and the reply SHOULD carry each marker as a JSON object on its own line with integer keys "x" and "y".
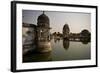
{"x": 43, "y": 20}
{"x": 66, "y": 44}
{"x": 66, "y": 27}
{"x": 66, "y": 31}
{"x": 85, "y": 41}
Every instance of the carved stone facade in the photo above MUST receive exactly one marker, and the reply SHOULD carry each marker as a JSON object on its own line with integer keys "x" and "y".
{"x": 43, "y": 33}
{"x": 40, "y": 34}
{"x": 43, "y": 28}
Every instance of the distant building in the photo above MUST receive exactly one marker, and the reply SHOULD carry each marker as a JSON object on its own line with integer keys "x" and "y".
{"x": 85, "y": 36}
{"x": 85, "y": 33}
{"x": 66, "y": 31}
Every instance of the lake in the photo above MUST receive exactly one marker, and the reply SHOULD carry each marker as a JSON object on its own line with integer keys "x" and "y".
{"x": 62, "y": 50}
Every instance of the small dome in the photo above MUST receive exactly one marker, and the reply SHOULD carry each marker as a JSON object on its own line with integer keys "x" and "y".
{"x": 42, "y": 19}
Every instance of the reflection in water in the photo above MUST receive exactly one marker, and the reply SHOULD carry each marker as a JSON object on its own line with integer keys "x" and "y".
{"x": 56, "y": 40}
{"x": 85, "y": 40}
{"x": 37, "y": 57}
{"x": 61, "y": 50}
{"x": 66, "y": 44}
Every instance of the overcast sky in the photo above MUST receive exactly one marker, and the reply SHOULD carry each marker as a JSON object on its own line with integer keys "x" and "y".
{"x": 76, "y": 21}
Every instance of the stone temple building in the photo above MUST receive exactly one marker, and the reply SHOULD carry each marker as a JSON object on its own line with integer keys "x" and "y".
{"x": 66, "y": 31}
{"x": 43, "y": 28}
{"x": 41, "y": 33}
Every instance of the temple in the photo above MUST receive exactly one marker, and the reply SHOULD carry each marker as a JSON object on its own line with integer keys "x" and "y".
{"x": 39, "y": 35}
{"x": 43, "y": 33}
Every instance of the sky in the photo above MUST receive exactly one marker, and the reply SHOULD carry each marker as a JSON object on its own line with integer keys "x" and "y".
{"x": 76, "y": 21}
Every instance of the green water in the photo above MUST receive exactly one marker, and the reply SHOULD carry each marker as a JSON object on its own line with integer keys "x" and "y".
{"x": 62, "y": 50}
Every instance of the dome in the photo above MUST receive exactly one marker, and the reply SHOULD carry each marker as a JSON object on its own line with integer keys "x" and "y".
{"x": 43, "y": 19}
{"x": 85, "y": 32}
{"x": 66, "y": 28}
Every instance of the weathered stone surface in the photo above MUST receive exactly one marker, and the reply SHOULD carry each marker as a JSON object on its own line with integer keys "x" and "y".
{"x": 44, "y": 46}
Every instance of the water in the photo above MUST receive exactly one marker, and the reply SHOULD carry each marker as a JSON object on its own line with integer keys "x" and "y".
{"x": 62, "y": 50}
